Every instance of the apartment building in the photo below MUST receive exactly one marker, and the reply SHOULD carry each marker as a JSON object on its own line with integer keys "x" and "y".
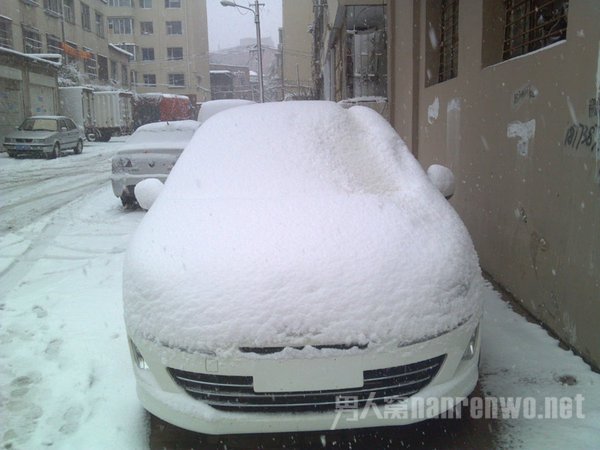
{"x": 142, "y": 45}
{"x": 506, "y": 93}
{"x": 168, "y": 41}
{"x": 74, "y": 29}
{"x": 296, "y": 49}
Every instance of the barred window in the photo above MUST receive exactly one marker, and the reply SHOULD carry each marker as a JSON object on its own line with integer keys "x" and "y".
{"x": 176, "y": 80}
{"x": 174, "y": 52}
{"x": 145, "y": 4}
{"x": 90, "y": 64}
{"x": 533, "y": 24}
{"x": 122, "y": 3}
{"x": 32, "y": 41}
{"x": 53, "y": 44}
{"x": 448, "y": 40}
{"x": 172, "y": 3}
{"x": 6, "y": 37}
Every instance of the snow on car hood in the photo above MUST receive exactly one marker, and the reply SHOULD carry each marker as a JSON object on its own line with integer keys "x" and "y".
{"x": 298, "y": 223}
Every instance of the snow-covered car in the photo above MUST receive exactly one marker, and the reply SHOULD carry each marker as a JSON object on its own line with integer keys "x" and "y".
{"x": 150, "y": 152}
{"x": 300, "y": 267}
{"x": 46, "y": 136}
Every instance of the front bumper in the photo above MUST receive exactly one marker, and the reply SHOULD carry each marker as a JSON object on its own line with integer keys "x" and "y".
{"x": 164, "y": 397}
{"x": 37, "y": 149}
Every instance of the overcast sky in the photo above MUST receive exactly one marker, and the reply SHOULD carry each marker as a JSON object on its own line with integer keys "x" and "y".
{"x": 227, "y": 25}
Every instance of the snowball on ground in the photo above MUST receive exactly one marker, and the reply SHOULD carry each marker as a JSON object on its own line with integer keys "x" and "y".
{"x": 442, "y": 178}
{"x": 147, "y": 191}
{"x": 298, "y": 223}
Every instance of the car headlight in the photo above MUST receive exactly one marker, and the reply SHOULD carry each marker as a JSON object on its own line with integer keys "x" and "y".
{"x": 139, "y": 360}
{"x": 471, "y": 346}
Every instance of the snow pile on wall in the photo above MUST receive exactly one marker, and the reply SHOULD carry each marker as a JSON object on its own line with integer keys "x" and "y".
{"x": 298, "y": 223}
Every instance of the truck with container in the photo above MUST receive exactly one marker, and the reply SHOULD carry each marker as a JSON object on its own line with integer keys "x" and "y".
{"x": 114, "y": 114}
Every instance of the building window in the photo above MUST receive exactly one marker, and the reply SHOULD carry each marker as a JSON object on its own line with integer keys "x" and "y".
{"x": 32, "y": 42}
{"x": 533, "y": 24}
{"x": 69, "y": 10}
{"x": 131, "y": 48}
{"x": 174, "y": 27}
{"x": 146, "y": 4}
{"x": 448, "y": 40}
{"x": 99, "y": 24}
{"x": 176, "y": 80}
{"x": 6, "y": 39}
{"x": 102, "y": 68}
{"x": 175, "y": 53}
{"x": 120, "y": 25}
{"x": 90, "y": 64}
{"x": 122, "y": 3}
{"x": 149, "y": 79}
{"x": 124, "y": 77}
{"x": 52, "y": 7}
{"x": 85, "y": 17}
{"x": 53, "y": 44}
{"x": 172, "y": 3}
{"x": 147, "y": 27}
{"x": 113, "y": 71}
{"x": 70, "y": 52}
{"x": 147, "y": 54}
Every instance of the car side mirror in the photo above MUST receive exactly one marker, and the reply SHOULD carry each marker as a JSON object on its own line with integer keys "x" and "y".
{"x": 147, "y": 191}
{"x": 442, "y": 178}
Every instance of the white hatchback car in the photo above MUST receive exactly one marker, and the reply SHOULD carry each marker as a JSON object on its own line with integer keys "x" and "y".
{"x": 300, "y": 266}
{"x": 150, "y": 152}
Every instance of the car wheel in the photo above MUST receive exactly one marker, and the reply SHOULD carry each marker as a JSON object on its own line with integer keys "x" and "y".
{"x": 129, "y": 201}
{"x": 79, "y": 147}
{"x": 55, "y": 152}
{"x": 12, "y": 154}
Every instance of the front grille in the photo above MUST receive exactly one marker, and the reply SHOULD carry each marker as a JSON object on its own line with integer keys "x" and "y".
{"x": 236, "y": 393}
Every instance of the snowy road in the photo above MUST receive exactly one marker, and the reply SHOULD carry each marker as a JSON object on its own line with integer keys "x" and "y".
{"x": 65, "y": 374}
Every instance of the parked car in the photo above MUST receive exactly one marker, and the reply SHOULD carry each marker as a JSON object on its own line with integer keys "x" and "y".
{"x": 150, "y": 152}
{"x": 298, "y": 265}
{"x": 46, "y": 136}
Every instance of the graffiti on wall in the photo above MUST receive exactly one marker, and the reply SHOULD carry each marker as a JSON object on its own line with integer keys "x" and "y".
{"x": 579, "y": 136}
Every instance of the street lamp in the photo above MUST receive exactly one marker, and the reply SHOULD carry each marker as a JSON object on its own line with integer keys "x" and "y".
{"x": 256, "y": 12}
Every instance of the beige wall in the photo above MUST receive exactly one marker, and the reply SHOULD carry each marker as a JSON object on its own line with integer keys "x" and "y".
{"x": 297, "y": 45}
{"x": 533, "y": 208}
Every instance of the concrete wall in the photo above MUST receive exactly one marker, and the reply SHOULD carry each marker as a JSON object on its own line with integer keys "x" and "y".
{"x": 297, "y": 46}
{"x": 522, "y": 140}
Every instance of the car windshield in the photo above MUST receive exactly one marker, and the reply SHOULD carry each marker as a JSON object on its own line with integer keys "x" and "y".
{"x": 39, "y": 125}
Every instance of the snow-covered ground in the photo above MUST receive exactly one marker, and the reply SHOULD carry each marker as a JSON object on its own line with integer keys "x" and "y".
{"x": 65, "y": 374}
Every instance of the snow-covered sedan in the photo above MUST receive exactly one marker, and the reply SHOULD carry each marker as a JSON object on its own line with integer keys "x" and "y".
{"x": 150, "y": 152}
{"x": 300, "y": 271}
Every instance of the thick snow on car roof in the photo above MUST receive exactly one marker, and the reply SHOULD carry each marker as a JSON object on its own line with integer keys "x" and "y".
{"x": 298, "y": 223}
{"x": 172, "y": 134}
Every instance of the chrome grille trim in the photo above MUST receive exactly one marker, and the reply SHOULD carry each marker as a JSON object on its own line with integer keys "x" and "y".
{"x": 236, "y": 393}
